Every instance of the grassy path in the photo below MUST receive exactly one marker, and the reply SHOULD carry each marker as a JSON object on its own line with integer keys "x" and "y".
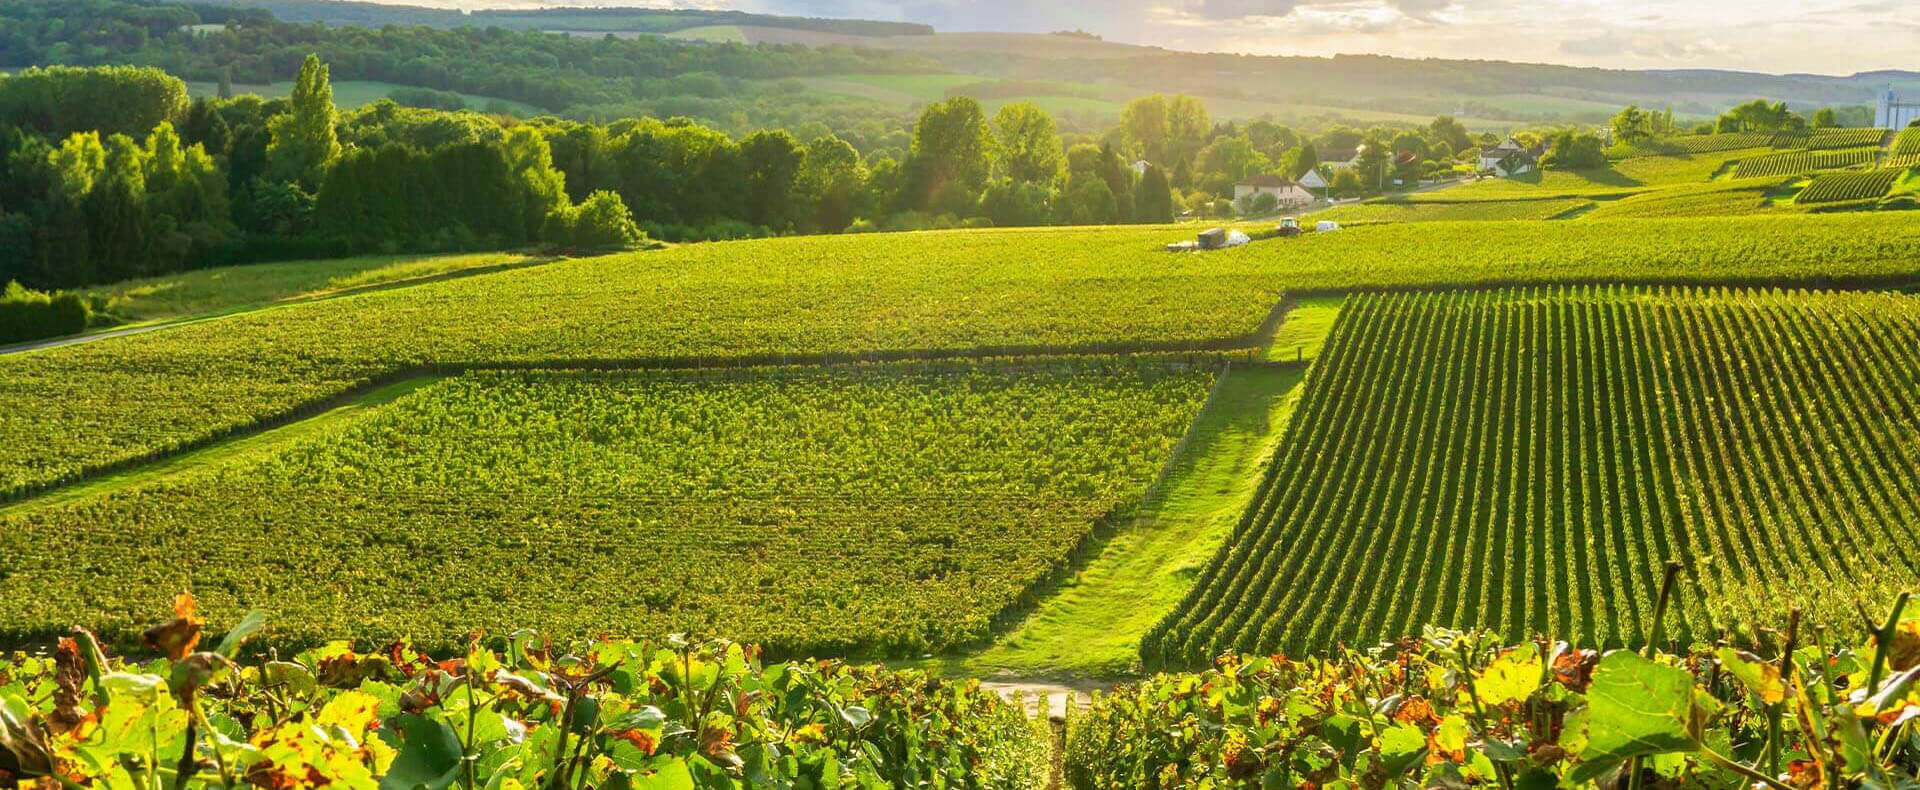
{"x": 225, "y": 452}
{"x": 1092, "y": 626}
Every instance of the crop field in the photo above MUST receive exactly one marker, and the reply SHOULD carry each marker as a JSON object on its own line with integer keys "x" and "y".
{"x": 1714, "y": 199}
{"x": 1701, "y": 144}
{"x": 1800, "y": 162}
{"x": 1908, "y": 143}
{"x": 1836, "y": 187}
{"x": 1401, "y": 211}
{"x": 890, "y": 508}
{"x": 1820, "y": 139}
{"x": 1524, "y": 460}
{"x": 1624, "y": 177}
{"x": 800, "y": 299}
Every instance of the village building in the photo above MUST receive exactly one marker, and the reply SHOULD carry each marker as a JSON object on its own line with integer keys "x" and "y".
{"x": 1510, "y": 159}
{"x": 1285, "y": 191}
{"x": 1891, "y": 112}
{"x": 1339, "y": 159}
{"x": 1313, "y": 180}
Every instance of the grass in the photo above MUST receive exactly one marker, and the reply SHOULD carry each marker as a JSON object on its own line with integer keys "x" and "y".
{"x": 713, "y": 34}
{"x": 1621, "y": 178}
{"x": 1091, "y": 627}
{"x": 354, "y": 94}
{"x": 1304, "y": 332}
{"x": 1399, "y": 210}
{"x": 228, "y": 289}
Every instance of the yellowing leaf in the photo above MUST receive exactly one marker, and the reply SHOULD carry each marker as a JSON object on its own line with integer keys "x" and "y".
{"x": 1510, "y": 678}
{"x": 1760, "y": 677}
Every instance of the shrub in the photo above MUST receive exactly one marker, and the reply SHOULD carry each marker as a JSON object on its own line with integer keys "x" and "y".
{"x": 27, "y": 314}
{"x": 600, "y": 223}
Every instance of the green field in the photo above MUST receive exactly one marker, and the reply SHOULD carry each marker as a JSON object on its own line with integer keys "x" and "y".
{"x": 1803, "y": 162}
{"x": 1525, "y": 460}
{"x": 354, "y": 94}
{"x": 1393, "y": 210}
{"x": 1716, "y": 199}
{"x": 1624, "y": 177}
{"x": 713, "y": 34}
{"x": 860, "y": 509}
{"x": 204, "y": 292}
{"x": 799, "y": 299}
{"x": 1840, "y": 187}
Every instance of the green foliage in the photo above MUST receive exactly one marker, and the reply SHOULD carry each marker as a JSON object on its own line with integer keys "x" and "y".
{"x": 1153, "y": 197}
{"x": 601, "y": 223}
{"x": 27, "y": 314}
{"x": 510, "y": 712}
{"x": 58, "y": 101}
{"x": 1802, "y": 162}
{"x": 304, "y": 142}
{"x": 1029, "y": 144}
{"x": 1450, "y": 709}
{"x": 952, "y": 155}
{"x": 1517, "y": 460}
{"x": 773, "y": 161}
{"x": 1570, "y": 151}
{"x": 877, "y": 509}
{"x": 1837, "y": 187}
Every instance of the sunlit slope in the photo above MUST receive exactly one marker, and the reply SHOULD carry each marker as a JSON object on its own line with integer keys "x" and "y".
{"x": 70, "y": 410}
{"x": 1526, "y": 460}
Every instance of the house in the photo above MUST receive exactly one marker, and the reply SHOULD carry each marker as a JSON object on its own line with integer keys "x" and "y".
{"x": 1313, "y": 180}
{"x": 1285, "y": 191}
{"x": 1510, "y": 159}
{"x": 1141, "y": 166}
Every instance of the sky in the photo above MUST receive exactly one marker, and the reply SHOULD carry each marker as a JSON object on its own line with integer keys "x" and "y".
{"x": 1776, "y": 36}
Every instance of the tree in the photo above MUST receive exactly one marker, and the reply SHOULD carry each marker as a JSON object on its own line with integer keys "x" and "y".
{"x": 1153, "y": 197}
{"x": 1632, "y": 125}
{"x": 1824, "y": 118}
{"x": 1570, "y": 151}
{"x": 1227, "y": 161}
{"x": 545, "y": 188}
{"x": 952, "y": 154}
{"x": 832, "y": 182}
{"x": 1030, "y": 151}
{"x": 1165, "y": 129}
{"x": 1451, "y": 132}
{"x": 1091, "y": 202}
{"x": 58, "y": 101}
{"x": 304, "y": 141}
{"x": 1013, "y": 204}
{"x": 773, "y": 164}
{"x": 225, "y": 89}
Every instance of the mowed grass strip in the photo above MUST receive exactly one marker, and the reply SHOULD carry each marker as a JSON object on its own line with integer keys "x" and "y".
{"x": 70, "y": 412}
{"x": 873, "y": 509}
{"x": 1525, "y": 461}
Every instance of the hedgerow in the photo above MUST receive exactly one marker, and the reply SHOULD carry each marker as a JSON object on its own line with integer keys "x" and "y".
{"x": 1517, "y": 460}
{"x": 887, "y": 509}
{"x": 506, "y": 711}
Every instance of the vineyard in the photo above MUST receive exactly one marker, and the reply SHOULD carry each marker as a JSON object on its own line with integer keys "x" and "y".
{"x": 1712, "y": 199}
{"x": 889, "y": 508}
{"x": 1821, "y": 139}
{"x": 1402, "y": 211}
{"x": 1837, "y": 187}
{"x": 1801, "y": 162}
{"x": 1524, "y": 460}
{"x": 1701, "y": 144}
{"x": 68, "y": 414}
{"x": 1908, "y": 143}
{"x": 1624, "y": 177}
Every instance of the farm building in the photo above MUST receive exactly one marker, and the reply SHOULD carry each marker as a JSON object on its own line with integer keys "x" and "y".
{"x": 1893, "y": 113}
{"x": 1285, "y": 191}
{"x": 1511, "y": 159}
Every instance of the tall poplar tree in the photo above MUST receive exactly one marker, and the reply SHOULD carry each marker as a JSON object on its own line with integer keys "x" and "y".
{"x": 304, "y": 141}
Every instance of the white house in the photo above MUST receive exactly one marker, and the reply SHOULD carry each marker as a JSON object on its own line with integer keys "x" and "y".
{"x": 1892, "y": 113}
{"x": 1285, "y": 191}
{"x": 1313, "y": 180}
{"x": 1510, "y": 159}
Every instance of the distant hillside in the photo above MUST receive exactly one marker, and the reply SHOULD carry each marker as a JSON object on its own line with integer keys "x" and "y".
{"x": 612, "y": 20}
